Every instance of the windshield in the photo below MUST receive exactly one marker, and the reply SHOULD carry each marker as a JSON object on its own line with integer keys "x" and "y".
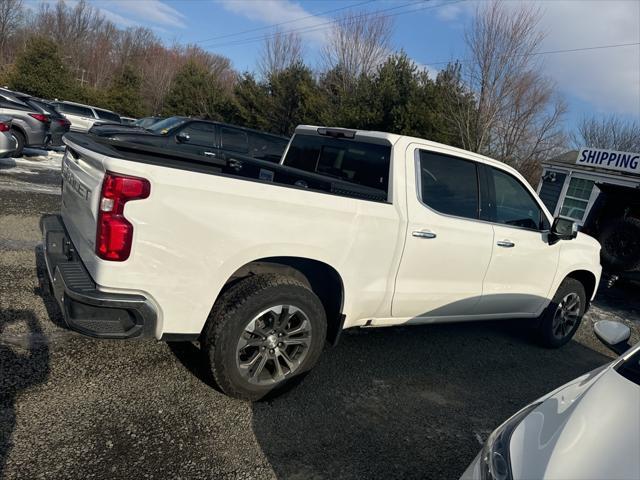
{"x": 163, "y": 126}
{"x": 630, "y": 368}
{"x": 146, "y": 122}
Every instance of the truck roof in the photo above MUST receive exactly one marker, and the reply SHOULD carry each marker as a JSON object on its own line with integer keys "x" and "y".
{"x": 392, "y": 138}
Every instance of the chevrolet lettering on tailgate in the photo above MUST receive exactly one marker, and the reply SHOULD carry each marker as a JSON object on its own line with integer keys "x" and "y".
{"x": 71, "y": 181}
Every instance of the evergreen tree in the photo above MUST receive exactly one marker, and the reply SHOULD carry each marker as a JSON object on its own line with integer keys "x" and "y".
{"x": 293, "y": 99}
{"x": 252, "y": 102}
{"x": 123, "y": 96}
{"x": 39, "y": 71}
{"x": 196, "y": 92}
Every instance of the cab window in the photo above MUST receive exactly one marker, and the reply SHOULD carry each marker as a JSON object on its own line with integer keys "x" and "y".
{"x": 200, "y": 133}
{"x": 234, "y": 140}
{"x": 266, "y": 147}
{"x": 510, "y": 203}
{"x": 448, "y": 184}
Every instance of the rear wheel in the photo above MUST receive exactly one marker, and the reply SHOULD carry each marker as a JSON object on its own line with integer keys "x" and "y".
{"x": 20, "y": 140}
{"x": 620, "y": 240}
{"x": 261, "y": 333}
{"x": 562, "y": 317}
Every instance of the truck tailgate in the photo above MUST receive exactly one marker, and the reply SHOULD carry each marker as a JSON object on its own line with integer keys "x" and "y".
{"x": 82, "y": 175}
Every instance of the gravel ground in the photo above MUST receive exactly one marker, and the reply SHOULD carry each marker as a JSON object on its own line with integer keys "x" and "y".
{"x": 410, "y": 402}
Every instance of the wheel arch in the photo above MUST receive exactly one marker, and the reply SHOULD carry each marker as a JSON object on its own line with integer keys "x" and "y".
{"x": 587, "y": 279}
{"x": 320, "y": 277}
{"x": 21, "y": 130}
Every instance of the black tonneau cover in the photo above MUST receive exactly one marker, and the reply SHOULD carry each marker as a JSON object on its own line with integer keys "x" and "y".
{"x": 240, "y": 166}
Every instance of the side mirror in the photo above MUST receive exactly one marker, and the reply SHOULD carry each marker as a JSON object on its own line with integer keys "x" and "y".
{"x": 563, "y": 228}
{"x": 183, "y": 137}
{"x": 614, "y": 335}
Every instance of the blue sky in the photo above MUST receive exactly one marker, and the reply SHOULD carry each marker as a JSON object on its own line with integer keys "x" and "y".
{"x": 430, "y": 31}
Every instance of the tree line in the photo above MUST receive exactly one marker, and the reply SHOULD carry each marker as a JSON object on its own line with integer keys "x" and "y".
{"x": 497, "y": 101}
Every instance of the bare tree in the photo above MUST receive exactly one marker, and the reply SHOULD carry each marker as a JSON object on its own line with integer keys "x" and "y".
{"x": 358, "y": 43}
{"x": 516, "y": 114}
{"x": 280, "y": 50}
{"x": 11, "y": 14}
{"x": 612, "y": 132}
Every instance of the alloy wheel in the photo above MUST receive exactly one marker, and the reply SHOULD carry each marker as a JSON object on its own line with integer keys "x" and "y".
{"x": 566, "y": 316}
{"x": 273, "y": 345}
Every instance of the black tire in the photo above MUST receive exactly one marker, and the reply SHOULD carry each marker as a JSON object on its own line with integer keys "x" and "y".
{"x": 550, "y": 333}
{"x": 21, "y": 142}
{"x": 237, "y": 309}
{"x": 620, "y": 241}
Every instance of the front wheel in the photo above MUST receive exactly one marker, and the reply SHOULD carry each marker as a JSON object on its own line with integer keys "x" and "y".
{"x": 561, "y": 319}
{"x": 261, "y": 333}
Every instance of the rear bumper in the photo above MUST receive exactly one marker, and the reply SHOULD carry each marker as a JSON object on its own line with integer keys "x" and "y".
{"x": 85, "y": 308}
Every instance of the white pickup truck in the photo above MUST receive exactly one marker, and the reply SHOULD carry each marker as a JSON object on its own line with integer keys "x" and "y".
{"x": 264, "y": 262}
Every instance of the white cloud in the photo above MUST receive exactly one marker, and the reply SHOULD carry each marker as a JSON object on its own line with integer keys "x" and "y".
{"x": 450, "y": 12}
{"x": 607, "y": 79}
{"x": 117, "y": 19}
{"x": 149, "y": 11}
{"x": 278, "y": 11}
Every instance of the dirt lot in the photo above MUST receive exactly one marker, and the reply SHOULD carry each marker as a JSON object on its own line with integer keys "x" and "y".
{"x": 412, "y": 402}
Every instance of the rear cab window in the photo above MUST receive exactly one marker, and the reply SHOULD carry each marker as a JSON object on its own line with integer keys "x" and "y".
{"x": 352, "y": 161}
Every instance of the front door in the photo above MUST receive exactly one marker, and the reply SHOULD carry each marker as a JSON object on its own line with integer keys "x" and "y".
{"x": 447, "y": 250}
{"x": 523, "y": 264}
{"x": 198, "y": 138}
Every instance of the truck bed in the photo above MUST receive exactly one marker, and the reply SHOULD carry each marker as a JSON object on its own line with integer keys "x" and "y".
{"x": 240, "y": 166}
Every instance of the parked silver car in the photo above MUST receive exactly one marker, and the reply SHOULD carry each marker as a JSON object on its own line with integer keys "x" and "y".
{"x": 29, "y": 127}
{"x": 8, "y": 143}
{"x": 586, "y": 429}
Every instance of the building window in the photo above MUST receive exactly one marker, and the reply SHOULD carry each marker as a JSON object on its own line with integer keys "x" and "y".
{"x": 577, "y": 198}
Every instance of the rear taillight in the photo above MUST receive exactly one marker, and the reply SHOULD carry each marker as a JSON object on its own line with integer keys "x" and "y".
{"x": 115, "y": 234}
{"x": 4, "y": 127}
{"x": 64, "y": 122}
{"x": 41, "y": 117}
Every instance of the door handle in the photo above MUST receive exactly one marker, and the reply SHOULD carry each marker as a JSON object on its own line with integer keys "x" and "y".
{"x": 423, "y": 234}
{"x": 506, "y": 243}
{"x": 210, "y": 154}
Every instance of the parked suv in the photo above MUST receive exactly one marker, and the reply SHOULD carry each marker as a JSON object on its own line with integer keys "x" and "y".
{"x": 83, "y": 117}
{"x": 29, "y": 127}
{"x": 59, "y": 124}
{"x": 201, "y": 137}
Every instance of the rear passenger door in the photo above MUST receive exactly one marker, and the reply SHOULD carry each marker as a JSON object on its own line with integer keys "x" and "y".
{"x": 447, "y": 249}
{"x": 523, "y": 263}
{"x": 233, "y": 141}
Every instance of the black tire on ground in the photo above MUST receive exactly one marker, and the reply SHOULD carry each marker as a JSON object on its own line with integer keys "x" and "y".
{"x": 21, "y": 141}
{"x": 620, "y": 241}
{"x": 556, "y": 329}
{"x": 230, "y": 321}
